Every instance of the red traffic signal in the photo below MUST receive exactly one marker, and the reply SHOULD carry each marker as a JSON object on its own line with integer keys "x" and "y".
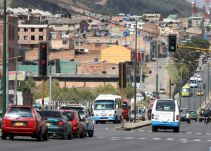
{"x": 43, "y": 58}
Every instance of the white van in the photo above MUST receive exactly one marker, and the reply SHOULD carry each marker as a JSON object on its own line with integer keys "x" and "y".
{"x": 165, "y": 115}
{"x": 193, "y": 82}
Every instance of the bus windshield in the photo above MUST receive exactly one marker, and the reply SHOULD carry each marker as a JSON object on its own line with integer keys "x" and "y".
{"x": 104, "y": 105}
{"x": 185, "y": 89}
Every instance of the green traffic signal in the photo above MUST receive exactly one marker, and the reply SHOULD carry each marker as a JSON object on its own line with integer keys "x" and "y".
{"x": 172, "y": 42}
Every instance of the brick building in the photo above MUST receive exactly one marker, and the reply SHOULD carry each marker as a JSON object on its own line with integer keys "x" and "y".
{"x": 12, "y": 37}
{"x": 98, "y": 68}
{"x": 31, "y": 35}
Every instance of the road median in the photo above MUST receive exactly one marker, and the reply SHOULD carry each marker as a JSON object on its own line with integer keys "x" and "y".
{"x": 131, "y": 126}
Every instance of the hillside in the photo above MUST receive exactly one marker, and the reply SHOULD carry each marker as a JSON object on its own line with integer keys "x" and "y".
{"x": 112, "y": 7}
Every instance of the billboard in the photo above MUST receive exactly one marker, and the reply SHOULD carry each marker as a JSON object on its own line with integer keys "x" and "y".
{"x": 21, "y": 75}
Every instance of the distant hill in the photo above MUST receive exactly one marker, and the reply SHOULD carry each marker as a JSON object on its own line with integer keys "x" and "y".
{"x": 112, "y": 7}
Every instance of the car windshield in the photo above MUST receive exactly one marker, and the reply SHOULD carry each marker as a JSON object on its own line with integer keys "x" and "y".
{"x": 16, "y": 112}
{"x": 104, "y": 105}
{"x": 192, "y": 112}
{"x": 165, "y": 105}
{"x": 51, "y": 114}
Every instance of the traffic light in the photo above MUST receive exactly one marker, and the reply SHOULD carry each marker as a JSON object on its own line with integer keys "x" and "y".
{"x": 122, "y": 75}
{"x": 43, "y": 58}
{"x": 172, "y": 42}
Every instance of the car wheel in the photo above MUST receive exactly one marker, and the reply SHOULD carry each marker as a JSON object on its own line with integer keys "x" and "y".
{"x": 200, "y": 120}
{"x": 91, "y": 133}
{"x": 85, "y": 134}
{"x": 45, "y": 135}
{"x": 154, "y": 129}
{"x": 176, "y": 129}
{"x": 82, "y": 134}
{"x": 3, "y": 135}
{"x": 11, "y": 137}
{"x": 39, "y": 135}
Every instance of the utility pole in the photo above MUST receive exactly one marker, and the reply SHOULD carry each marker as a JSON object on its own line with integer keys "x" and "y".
{"x": 134, "y": 78}
{"x": 157, "y": 47}
{"x": 180, "y": 99}
{"x": 4, "y": 60}
{"x": 15, "y": 85}
{"x": 208, "y": 82}
{"x": 50, "y": 78}
{"x": 170, "y": 88}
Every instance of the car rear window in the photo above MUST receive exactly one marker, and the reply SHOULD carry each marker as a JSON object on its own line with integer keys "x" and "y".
{"x": 70, "y": 115}
{"x": 165, "y": 105}
{"x": 78, "y": 109}
{"x": 16, "y": 112}
{"x": 51, "y": 114}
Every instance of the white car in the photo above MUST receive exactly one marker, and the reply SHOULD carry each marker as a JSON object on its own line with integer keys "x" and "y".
{"x": 162, "y": 91}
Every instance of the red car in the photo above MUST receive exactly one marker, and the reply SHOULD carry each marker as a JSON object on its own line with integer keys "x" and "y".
{"x": 24, "y": 121}
{"x": 78, "y": 126}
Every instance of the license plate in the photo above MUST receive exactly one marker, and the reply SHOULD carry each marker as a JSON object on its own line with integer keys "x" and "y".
{"x": 19, "y": 124}
{"x": 48, "y": 124}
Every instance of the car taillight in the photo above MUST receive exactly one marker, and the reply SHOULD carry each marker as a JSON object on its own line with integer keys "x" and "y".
{"x": 60, "y": 123}
{"x": 177, "y": 117}
{"x": 74, "y": 123}
{"x": 152, "y": 116}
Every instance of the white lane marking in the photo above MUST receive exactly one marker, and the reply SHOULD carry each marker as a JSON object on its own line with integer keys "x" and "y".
{"x": 184, "y": 141}
{"x": 189, "y": 133}
{"x": 170, "y": 139}
{"x": 208, "y": 134}
{"x": 156, "y": 138}
{"x": 198, "y": 133}
{"x": 114, "y": 137}
{"x": 150, "y": 131}
{"x": 142, "y": 138}
{"x": 208, "y": 140}
{"x": 196, "y": 140}
{"x": 129, "y": 138}
{"x": 106, "y": 128}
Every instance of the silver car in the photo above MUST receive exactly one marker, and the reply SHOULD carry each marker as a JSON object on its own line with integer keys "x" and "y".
{"x": 140, "y": 115}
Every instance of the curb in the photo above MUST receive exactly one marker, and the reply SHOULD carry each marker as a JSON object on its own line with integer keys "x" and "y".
{"x": 132, "y": 128}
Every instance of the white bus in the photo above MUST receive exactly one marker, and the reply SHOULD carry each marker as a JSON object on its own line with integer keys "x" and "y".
{"x": 107, "y": 107}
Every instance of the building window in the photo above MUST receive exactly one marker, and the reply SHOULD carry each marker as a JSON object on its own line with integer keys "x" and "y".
{"x": 64, "y": 42}
{"x": 113, "y": 68}
{"x": 25, "y": 37}
{"x": 25, "y": 29}
{"x": 18, "y": 29}
{"x": 32, "y": 30}
{"x": 40, "y": 29}
{"x": 41, "y": 37}
{"x": 18, "y": 37}
{"x": 58, "y": 25}
{"x": 32, "y": 37}
{"x": 103, "y": 72}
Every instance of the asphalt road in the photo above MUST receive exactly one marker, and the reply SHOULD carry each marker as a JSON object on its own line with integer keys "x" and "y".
{"x": 195, "y": 101}
{"x": 192, "y": 137}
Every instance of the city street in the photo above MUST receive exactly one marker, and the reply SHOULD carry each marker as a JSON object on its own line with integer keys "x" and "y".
{"x": 192, "y": 137}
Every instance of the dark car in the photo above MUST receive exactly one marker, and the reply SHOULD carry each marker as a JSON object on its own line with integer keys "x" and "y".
{"x": 76, "y": 121}
{"x": 24, "y": 121}
{"x": 205, "y": 113}
{"x": 85, "y": 116}
{"x": 58, "y": 124}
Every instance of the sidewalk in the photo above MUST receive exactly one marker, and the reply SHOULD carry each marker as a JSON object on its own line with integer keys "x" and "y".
{"x": 130, "y": 126}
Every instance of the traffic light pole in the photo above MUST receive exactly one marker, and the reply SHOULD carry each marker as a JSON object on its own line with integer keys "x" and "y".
{"x": 4, "y": 60}
{"x": 43, "y": 93}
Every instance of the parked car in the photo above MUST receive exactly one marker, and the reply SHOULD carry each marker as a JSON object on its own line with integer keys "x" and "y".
{"x": 58, "y": 124}
{"x": 193, "y": 115}
{"x": 184, "y": 115}
{"x": 76, "y": 121}
{"x": 85, "y": 115}
{"x": 24, "y": 121}
{"x": 140, "y": 115}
